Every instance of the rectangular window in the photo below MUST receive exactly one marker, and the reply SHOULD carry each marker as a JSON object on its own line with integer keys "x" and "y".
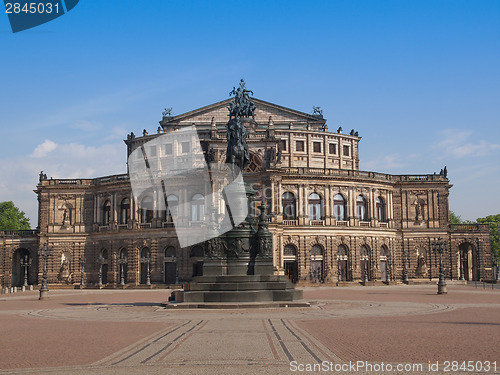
{"x": 185, "y": 147}
{"x": 317, "y": 146}
{"x": 168, "y": 149}
{"x": 152, "y": 151}
{"x": 346, "y": 150}
{"x": 299, "y": 146}
{"x": 282, "y": 145}
{"x": 332, "y": 148}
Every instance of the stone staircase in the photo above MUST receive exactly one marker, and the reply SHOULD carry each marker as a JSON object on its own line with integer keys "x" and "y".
{"x": 238, "y": 289}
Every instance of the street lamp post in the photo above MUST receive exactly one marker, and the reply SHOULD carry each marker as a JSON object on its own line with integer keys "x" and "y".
{"x": 25, "y": 263}
{"x": 462, "y": 256}
{"x": 388, "y": 270}
{"x": 122, "y": 262}
{"x": 82, "y": 268}
{"x": 100, "y": 261}
{"x": 147, "y": 261}
{"x": 405, "y": 269}
{"x": 44, "y": 253}
{"x": 439, "y": 246}
{"x": 365, "y": 276}
{"x": 339, "y": 271}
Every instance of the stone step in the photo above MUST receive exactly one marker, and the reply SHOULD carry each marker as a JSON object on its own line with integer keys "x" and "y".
{"x": 240, "y": 296}
{"x": 235, "y": 305}
{"x": 239, "y": 278}
{"x": 278, "y": 285}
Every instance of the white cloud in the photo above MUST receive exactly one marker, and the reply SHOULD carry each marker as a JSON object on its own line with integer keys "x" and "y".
{"x": 71, "y": 160}
{"x": 461, "y": 143}
{"x": 44, "y": 149}
{"x": 384, "y": 163}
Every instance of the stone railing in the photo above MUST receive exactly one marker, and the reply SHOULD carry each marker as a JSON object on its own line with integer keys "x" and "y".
{"x": 469, "y": 227}
{"x": 317, "y": 222}
{"x": 361, "y": 174}
{"x": 114, "y": 178}
{"x": 19, "y": 233}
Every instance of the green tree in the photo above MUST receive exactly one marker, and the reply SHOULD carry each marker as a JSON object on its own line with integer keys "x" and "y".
{"x": 12, "y": 218}
{"x": 494, "y": 222}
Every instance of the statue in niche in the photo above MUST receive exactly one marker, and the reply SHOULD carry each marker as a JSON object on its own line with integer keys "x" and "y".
{"x": 66, "y": 216}
{"x": 419, "y": 210}
{"x": 421, "y": 270}
{"x": 64, "y": 273}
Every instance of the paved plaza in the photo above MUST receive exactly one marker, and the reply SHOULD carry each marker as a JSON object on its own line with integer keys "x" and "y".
{"x": 129, "y": 332}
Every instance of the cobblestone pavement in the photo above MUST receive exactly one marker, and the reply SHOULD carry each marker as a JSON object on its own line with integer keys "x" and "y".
{"x": 128, "y": 332}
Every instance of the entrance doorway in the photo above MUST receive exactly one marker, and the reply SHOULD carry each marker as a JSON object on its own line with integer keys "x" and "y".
{"x": 19, "y": 258}
{"x": 365, "y": 263}
{"x": 145, "y": 265}
{"x": 170, "y": 272}
{"x": 290, "y": 263}
{"x": 292, "y": 270}
{"x": 469, "y": 262}
{"x": 316, "y": 274}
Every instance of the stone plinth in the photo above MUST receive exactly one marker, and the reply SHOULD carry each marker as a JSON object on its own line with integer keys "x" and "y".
{"x": 239, "y": 288}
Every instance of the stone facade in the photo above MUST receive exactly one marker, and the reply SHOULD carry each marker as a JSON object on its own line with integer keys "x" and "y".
{"x": 330, "y": 221}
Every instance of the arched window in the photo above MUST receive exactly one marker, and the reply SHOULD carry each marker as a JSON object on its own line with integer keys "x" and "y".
{"x": 339, "y": 207}
{"x": 361, "y": 208}
{"x": 145, "y": 253}
{"x": 197, "y": 252}
{"x": 290, "y": 250}
{"x": 342, "y": 266}
{"x": 170, "y": 252}
{"x": 342, "y": 251}
{"x": 125, "y": 211}
{"x": 106, "y": 213}
{"x": 314, "y": 207}
{"x": 316, "y": 250}
{"x": 365, "y": 263}
{"x": 288, "y": 202}
{"x": 380, "y": 210}
{"x": 147, "y": 211}
{"x": 197, "y": 207}
{"x": 171, "y": 203}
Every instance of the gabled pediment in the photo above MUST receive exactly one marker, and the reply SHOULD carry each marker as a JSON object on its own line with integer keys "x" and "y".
{"x": 219, "y": 113}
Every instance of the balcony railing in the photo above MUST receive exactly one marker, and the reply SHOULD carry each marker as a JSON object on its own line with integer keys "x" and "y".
{"x": 341, "y": 223}
{"x": 469, "y": 227}
{"x": 19, "y": 233}
{"x": 290, "y": 222}
{"x": 317, "y": 222}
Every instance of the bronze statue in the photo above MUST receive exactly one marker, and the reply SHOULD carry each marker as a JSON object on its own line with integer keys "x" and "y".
{"x": 242, "y": 106}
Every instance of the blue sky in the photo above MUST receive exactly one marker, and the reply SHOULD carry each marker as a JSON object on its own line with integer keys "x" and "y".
{"x": 419, "y": 80}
